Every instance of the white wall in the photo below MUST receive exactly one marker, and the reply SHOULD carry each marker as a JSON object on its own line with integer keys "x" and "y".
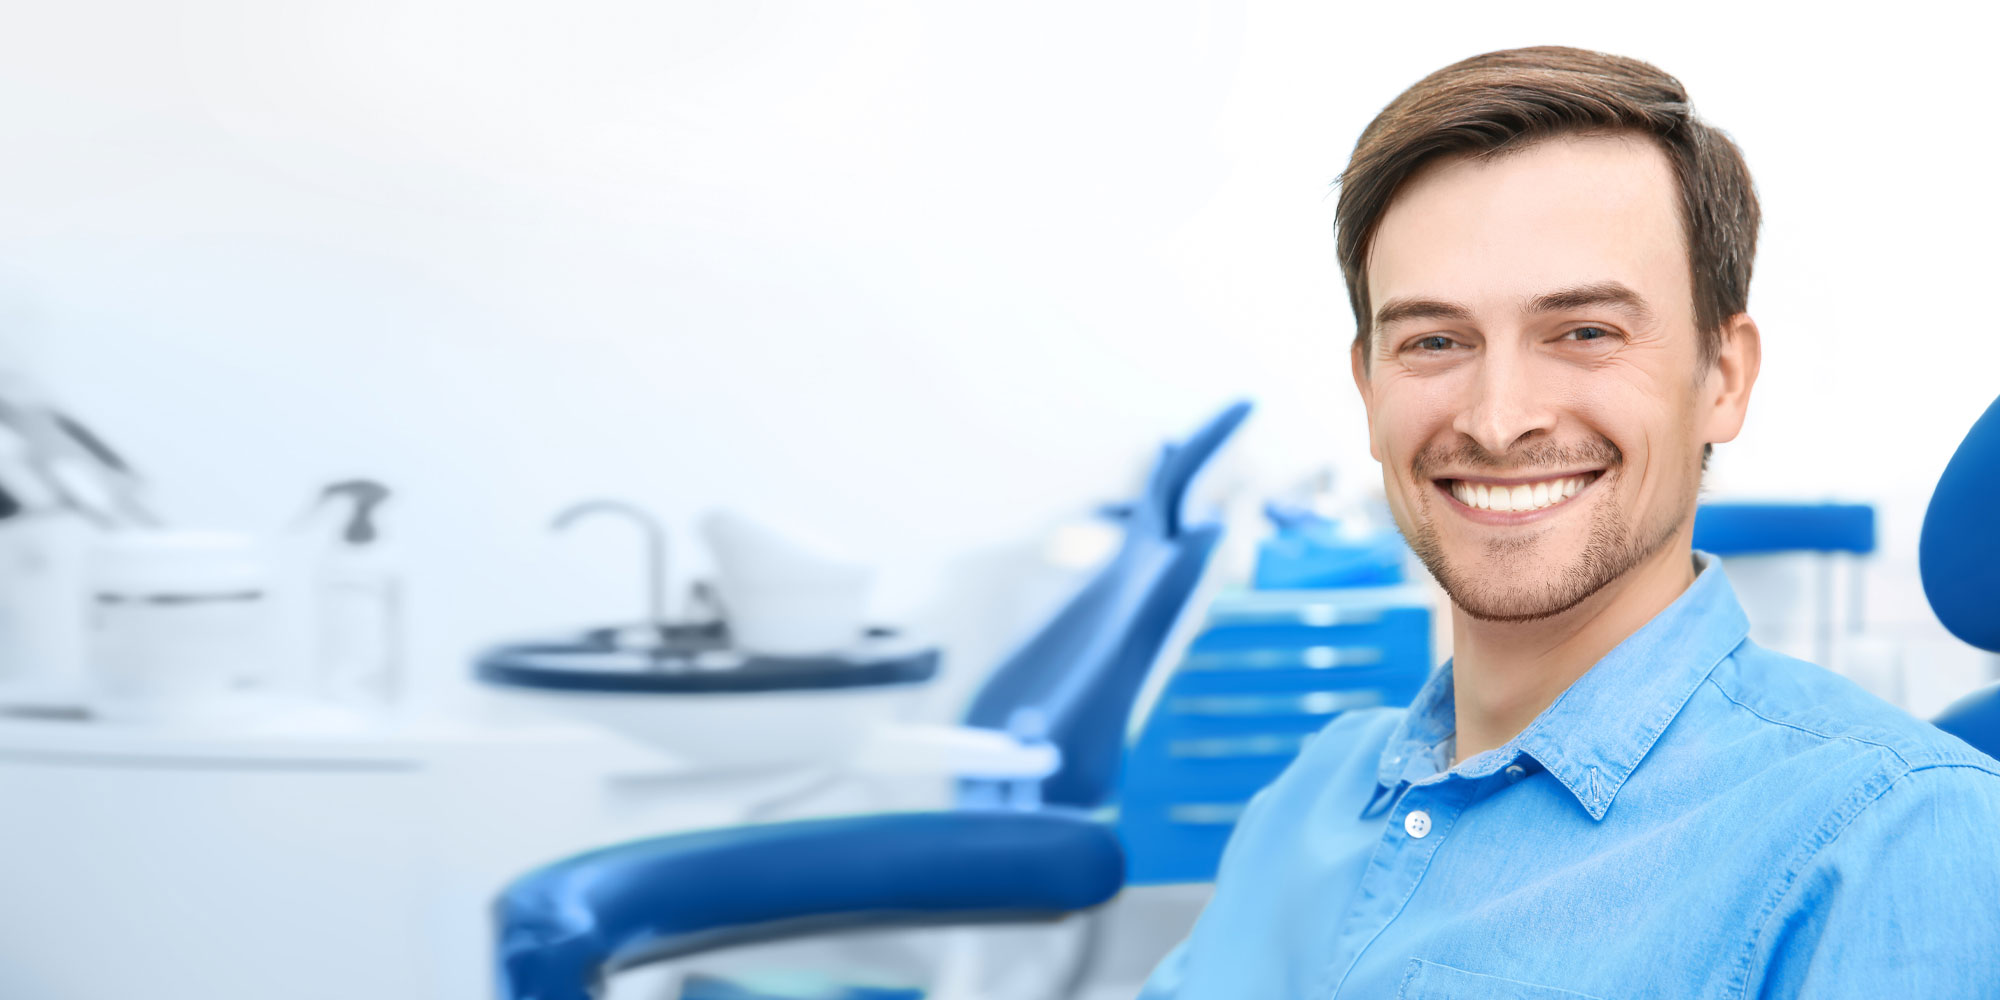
{"x": 920, "y": 277}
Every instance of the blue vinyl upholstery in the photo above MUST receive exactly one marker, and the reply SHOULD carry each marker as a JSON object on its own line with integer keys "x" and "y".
{"x": 1959, "y": 552}
{"x": 1959, "y": 557}
{"x": 567, "y": 925}
{"x": 1975, "y": 719}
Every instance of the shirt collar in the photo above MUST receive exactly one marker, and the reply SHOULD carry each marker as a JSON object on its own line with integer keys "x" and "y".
{"x": 1595, "y": 733}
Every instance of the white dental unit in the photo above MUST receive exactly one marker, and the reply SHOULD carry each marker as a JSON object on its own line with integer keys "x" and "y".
{"x": 173, "y": 830}
{"x": 309, "y": 852}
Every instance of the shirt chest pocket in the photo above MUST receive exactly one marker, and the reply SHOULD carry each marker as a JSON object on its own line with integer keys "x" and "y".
{"x": 1431, "y": 981}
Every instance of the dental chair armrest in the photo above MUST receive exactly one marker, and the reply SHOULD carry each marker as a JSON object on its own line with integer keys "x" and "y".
{"x": 954, "y": 751}
{"x": 563, "y": 928}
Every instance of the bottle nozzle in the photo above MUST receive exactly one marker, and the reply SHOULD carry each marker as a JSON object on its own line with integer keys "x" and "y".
{"x": 367, "y": 495}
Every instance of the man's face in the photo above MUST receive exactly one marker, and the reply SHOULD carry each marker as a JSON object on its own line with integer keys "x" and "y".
{"x": 1533, "y": 394}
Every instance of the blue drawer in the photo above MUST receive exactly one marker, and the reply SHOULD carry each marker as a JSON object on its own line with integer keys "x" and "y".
{"x": 1290, "y": 632}
{"x": 1270, "y": 671}
{"x": 1231, "y": 766}
{"x": 1404, "y": 673}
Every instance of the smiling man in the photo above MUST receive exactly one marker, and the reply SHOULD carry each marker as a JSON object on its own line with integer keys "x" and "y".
{"x": 1608, "y": 791}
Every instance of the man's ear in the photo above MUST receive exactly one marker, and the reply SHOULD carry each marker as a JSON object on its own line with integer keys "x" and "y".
{"x": 1359, "y": 361}
{"x": 1725, "y": 392}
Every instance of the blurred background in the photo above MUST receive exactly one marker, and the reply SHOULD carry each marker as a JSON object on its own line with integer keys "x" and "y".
{"x": 922, "y": 277}
{"x": 924, "y": 284}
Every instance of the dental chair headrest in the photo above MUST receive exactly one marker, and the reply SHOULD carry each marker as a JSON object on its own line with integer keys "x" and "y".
{"x": 1166, "y": 494}
{"x": 1959, "y": 554}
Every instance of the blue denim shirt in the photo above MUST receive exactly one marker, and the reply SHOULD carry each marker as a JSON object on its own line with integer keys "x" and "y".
{"x": 1695, "y": 817}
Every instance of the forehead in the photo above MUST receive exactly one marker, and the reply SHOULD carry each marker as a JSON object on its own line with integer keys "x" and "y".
{"x": 1562, "y": 212}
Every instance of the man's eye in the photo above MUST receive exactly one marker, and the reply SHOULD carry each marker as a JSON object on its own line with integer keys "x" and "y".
{"x": 1588, "y": 333}
{"x": 1432, "y": 344}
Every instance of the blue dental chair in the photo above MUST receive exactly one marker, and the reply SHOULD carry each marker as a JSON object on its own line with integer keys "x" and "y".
{"x": 1007, "y": 852}
{"x": 1959, "y": 557}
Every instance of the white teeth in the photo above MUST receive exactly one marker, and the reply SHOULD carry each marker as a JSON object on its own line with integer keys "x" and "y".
{"x": 1533, "y": 496}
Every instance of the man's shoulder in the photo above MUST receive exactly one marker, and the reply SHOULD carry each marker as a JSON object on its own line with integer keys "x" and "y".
{"x": 1806, "y": 709}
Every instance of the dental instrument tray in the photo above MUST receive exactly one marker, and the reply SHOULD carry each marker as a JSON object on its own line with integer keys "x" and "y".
{"x": 698, "y": 659}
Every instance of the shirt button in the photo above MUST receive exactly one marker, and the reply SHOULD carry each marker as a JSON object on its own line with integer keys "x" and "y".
{"x": 1417, "y": 824}
{"x": 1516, "y": 772}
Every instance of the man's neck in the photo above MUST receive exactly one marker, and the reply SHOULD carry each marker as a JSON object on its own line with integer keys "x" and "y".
{"x": 1505, "y": 673}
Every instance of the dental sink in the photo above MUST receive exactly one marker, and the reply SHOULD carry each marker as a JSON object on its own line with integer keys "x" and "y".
{"x": 685, "y": 690}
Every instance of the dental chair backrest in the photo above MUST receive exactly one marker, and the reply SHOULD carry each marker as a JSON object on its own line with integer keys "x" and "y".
{"x": 1074, "y": 682}
{"x": 1959, "y": 557}
{"x": 1959, "y": 553}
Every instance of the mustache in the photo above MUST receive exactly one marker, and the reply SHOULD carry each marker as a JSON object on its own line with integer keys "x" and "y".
{"x": 1468, "y": 454}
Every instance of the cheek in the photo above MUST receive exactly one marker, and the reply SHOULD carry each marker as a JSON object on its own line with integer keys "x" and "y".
{"x": 1658, "y": 415}
{"x": 1653, "y": 386}
{"x": 1408, "y": 415}
{"x": 1625, "y": 406}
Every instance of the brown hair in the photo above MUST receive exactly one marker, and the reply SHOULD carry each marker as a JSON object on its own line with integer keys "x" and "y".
{"x": 1504, "y": 101}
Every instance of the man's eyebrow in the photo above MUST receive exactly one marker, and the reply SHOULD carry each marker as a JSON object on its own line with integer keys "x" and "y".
{"x": 1398, "y": 310}
{"x": 1602, "y": 293}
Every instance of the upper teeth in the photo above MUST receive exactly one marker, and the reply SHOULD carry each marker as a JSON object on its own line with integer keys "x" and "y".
{"x": 1527, "y": 496}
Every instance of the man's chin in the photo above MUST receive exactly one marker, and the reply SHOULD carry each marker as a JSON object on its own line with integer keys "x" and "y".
{"x": 1490, "y": 587}
{"x": 1521, "y": 580}
{"x": 1507, "y": 601}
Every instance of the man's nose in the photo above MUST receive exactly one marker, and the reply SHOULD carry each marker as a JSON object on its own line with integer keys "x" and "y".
{"x": 1507, "y": 403}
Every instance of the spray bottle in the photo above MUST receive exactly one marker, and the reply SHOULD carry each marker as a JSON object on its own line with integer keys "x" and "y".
{"x": 359, "y": 598}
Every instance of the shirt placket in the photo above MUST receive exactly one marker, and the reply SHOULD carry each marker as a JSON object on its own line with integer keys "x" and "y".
{"x": 1418, "y": 824}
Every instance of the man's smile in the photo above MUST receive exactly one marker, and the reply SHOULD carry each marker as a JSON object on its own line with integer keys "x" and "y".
{"x": 1518, "y": 500}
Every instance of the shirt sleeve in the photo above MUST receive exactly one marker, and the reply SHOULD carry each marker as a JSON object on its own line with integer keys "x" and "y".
{"x": 1902, "y": 901}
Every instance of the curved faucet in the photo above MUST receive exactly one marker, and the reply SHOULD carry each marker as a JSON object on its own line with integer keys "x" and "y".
{"x": 656, "y": 553}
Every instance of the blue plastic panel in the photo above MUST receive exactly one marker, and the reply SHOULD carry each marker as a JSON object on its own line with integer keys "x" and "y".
{"x": 1742, "y": 529}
